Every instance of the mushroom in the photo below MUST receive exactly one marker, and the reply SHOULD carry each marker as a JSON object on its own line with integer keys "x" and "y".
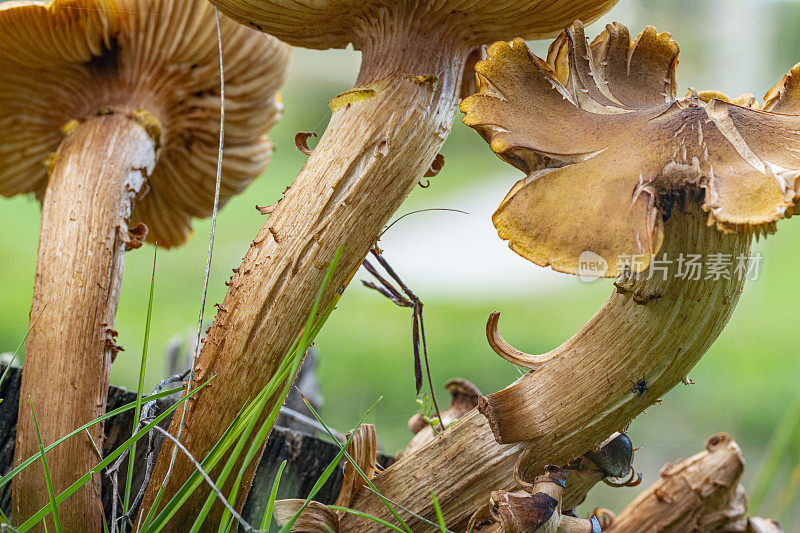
{"x": 463, "y": 398}
{"x": 382, "y": 138}
{"x": 535, "y": 509}
{"x": 611, "y": 462}
{"x": 617, "y": 166}
{"x": 111, "y": 118}
{"x": 644, "y": 178}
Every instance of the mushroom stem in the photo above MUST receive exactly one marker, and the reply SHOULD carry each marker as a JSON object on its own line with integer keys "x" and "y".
{"x": 381, "y": 139}
{"x": 99, "y": 169}
{"x": 657, "y": 328}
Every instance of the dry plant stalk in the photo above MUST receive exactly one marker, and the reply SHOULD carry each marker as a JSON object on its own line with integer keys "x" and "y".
{"x": 619, "y": 167}
{"x": 111, "y": 118}
{"x": 382, "y": 138}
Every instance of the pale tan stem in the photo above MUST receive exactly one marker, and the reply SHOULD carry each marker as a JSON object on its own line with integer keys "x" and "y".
{"x": 99, "y": 169}
{"x": 381, "y": 139}
{"x": 653, "y": 329}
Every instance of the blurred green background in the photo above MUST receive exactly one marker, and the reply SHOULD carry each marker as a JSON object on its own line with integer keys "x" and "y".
{"x": 456, "y": 264}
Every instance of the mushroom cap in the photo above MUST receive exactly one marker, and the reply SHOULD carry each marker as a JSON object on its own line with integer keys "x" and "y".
{"x": 614, "y": 457}
{"x": 73, "y": 59}
{"x": 610, "y": 152}
{"x": 337, "y": 23}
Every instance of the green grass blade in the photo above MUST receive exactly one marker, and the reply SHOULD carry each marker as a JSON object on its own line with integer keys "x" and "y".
{"x": 110, "y": 458}
{"x": 138, "y": 410}
{"x": 155, "y": 523}
{"x": 786, "y": 495}
{"x": 439, "y": 517}
{"x": 266, "y": 521}
{"x": 48, "y": 481}
{"x": 252, "y": 413}
{"x": 326, "y": 473}
{"x": 779, "y": 442}
{"x": 223, "y": 476}
{"x": 266, "y": 426}
{"x": 4, "y": 519}
{"x": 358, "y": 468}
{"x": 368, "y": 516}
{"x": 127, "y": 407}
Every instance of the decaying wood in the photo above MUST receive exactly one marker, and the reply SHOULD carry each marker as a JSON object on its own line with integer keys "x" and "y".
{"x": 699, "y": 494}
{"x": 78, "y": 277}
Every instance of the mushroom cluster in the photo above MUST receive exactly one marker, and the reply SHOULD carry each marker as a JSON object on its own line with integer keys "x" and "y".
{"x": 621, "y": 169}
{"x": 111, "y": 117}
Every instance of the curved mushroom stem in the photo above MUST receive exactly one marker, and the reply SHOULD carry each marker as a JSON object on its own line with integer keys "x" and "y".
{"x": 99, "y": 170}
{"x": 502, "y": 348}
{"x": 381, "y": 139}
{"x": 657, "y": 328}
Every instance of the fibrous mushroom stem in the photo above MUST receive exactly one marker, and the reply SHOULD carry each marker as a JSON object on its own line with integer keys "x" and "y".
{"x": 99, "y": 169}
{"x": 381, "y": 139}
{"x": 584, "y": 394}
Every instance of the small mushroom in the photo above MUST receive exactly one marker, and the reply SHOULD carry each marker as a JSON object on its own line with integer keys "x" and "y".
{"x": 536, "y": 509}
{"x": 381, "y": 139}
{"x": 463, "y": 398}
{"x": 110, "y": 116}
{"x": 611, "y": 462}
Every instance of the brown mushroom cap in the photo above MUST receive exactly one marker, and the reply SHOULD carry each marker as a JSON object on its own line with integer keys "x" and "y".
{"x": 72, "y": 59}
{"x": 609, "y": 149}
{"x": 335, "y": 23}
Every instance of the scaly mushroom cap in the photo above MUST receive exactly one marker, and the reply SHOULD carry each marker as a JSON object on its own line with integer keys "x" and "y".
{"x": 156, "y": 60}
{"x": 337, "y": 23}
{"x": 609, "y": 149}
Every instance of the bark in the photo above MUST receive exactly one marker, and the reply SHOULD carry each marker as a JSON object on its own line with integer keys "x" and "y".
{"x": 653, "y": 329}
{"x": 98, "y": 171}
{"x": 380, "y": 141}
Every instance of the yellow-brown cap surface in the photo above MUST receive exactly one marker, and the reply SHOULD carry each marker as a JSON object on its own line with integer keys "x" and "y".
{"x": 609, "y": 151}
{"x": 336, "y": 23}
{"x": 158, "y": 60}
